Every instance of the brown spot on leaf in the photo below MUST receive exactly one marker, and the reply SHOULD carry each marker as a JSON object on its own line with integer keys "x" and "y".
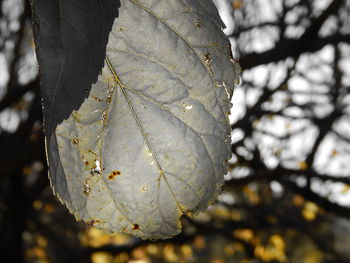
{"x": 92, "y": 222}
{"x": 75, "y": 141}
{"x": 87, "y": 188}
{"x": 91, "y": 151}
{"x": 97, "y": 98}
{"x": 135, "y": 227}
{"x": 104, "y": 117}
{"x": 113, "y": 174}
{"x": 109, "y": 95}
{"x": 186, "y": 212}
{"x": 207, "y": 58}
{"x": 199, "y": 23}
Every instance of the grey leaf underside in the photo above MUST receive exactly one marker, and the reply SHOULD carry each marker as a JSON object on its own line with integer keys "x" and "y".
{"x": 151, "y": 141}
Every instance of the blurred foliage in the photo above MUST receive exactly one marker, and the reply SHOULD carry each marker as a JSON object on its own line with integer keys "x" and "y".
{"x": 287, "y": 193}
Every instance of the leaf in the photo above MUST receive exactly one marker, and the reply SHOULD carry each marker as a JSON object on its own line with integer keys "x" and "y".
{"x": 152, "y": 139}
{"x": 71, "y": 39}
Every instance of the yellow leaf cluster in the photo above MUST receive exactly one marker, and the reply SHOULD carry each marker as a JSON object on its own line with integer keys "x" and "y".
{"x": 274, "y": 250}
{"x": 95, "y": 237}
{"x": 38, "y": 252}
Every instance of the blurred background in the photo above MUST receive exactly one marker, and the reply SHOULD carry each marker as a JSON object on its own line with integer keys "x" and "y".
{"x": 287, "y": 192}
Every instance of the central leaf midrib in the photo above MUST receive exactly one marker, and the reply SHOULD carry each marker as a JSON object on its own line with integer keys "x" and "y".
{"x": 121, "y": 85}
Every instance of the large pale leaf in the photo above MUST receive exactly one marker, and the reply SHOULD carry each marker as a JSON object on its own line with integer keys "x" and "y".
{"x": 151, "y": 141}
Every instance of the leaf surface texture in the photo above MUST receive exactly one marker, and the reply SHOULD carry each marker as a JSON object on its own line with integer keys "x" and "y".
{"x": 151, "y": 141}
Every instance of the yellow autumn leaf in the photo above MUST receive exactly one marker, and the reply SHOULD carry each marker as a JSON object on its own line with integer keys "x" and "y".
{"x": 260, "y": 252}
{"x": 314, "y": 256}
{"x": 169, "y": 253}
{"x": 245, "y": 234}
{"x": 122, "y": 258}
{"x": 237, "y": 4}
{"x": 101, "y": 257}
{"x": 256, "y": 123}
{"x": 186, "y": 250}
{"x": 302, "y": 165}
{"x": 277, "y": 241}
{"x": 277, "y": 247}
{"x": 37, "y": 204}
{"x": 298, "y": 200}
{"x": 345, "y": 189}
{"x": 49, "y": 208}
{"x": 140, "y": 253}
{"x": 152, "y": 249}
{"x": 310, "y": 211}
{"x": 251, "y": 194}
{"x": 199, "y": 242}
